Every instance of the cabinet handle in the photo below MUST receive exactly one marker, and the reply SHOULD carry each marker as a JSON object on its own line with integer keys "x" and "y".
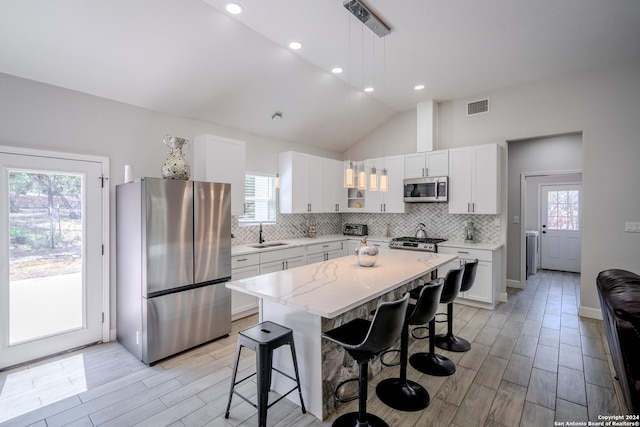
{"x": 468, "y": 207}
{"x": 426, "y": 172}
{"x": 423, "y": 174}
{"x": 463, "y": 252}
{"x": 325, "y": 246}
{"x": 242, "y": 259}
{"x": 473, "y": 207}
{"x": 385, "y": 207}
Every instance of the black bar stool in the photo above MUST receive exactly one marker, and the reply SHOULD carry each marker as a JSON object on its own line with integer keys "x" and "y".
{"x": 400, "y": 393}
{"x": 363, "y": 340}
{"x": 263, "y": 339}
{"x": 448, "y": 341}
{"x": 431, "y": 363}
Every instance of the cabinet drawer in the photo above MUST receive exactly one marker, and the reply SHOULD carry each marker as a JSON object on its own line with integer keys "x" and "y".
{"x": 281, "y": 254}
{"x": 465, "y": 253}
{"x": 324, "y": 247}
{"x": 245, "y": 260}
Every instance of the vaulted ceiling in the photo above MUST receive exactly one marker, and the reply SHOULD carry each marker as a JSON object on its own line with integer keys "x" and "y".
{"x": 191, "y": 58}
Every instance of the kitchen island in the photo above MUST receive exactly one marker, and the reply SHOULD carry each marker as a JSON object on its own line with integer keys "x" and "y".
{"x": 317, "y": 297}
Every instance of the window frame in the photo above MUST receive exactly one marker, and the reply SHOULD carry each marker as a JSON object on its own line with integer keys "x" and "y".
{"x": 273, "y": 199}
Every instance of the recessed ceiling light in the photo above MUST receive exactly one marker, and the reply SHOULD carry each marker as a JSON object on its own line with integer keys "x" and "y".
{"x": 295, "y": 45}
{"x": 336, "y": 70}
{"x": 234, "y": 8}
{"x": 418, "y": 87}
{"x": 368, "y": 89}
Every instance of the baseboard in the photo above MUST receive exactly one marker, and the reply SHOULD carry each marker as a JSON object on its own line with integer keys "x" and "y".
{"x": 239, "y": 314}
{"x": 592, "y": 313}
{"x": 502, "y": 297}
{"x": 113, "y": 334}
{"x": 514, "y": 284}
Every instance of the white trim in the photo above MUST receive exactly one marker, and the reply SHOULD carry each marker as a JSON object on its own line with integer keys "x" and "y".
{"x": 592, "y": 313}
{"x": 514, "y": 284}
{"x": 106, "y": 274}
{"x": 502, "y": 297}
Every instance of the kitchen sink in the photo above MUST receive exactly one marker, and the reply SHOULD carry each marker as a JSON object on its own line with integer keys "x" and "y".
{"x": 267, "y": 245}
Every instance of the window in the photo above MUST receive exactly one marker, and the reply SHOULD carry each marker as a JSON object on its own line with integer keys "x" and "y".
{"x": 260, "y": 199}
{"x": 563, "y": 210}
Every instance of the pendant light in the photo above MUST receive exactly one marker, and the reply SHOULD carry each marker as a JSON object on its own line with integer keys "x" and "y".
{"x": 362, "y": 177}
{"x": 373, "y": 180}
{"x": 384, "y": 182}
{"x": 349, "y": 172}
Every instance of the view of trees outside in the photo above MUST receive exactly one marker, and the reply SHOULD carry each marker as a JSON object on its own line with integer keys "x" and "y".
{"x": 45, "y": 224}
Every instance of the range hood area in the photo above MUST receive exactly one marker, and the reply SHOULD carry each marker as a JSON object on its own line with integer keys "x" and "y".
{"x": 427, "y": 125}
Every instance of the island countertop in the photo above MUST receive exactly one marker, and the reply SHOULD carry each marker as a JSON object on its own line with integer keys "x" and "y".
{"x": 330, "y": 288}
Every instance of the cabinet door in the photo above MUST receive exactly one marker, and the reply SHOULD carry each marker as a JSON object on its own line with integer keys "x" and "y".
{"x": 333, "y": 191}
{"x": 241, "y": 302}
{"x": 437, "y": 163}
{"x": 393, "y": 200}
{"x": 414, "y": 165}
{"x": 485, "y": 180}
{"x": 218, "y": 159}
{"x": 315, "y": 183}
{"x": 459, "y": 181}
{"x": 270, "y": 267}
{"x": 295, "y": 262}
{"x": 313, "y": 258}
{"x": 482, "y": 289}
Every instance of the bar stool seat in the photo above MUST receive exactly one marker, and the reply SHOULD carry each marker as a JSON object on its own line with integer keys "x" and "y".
{"x": 363, "y": 340}
{"x": 263, "y": 339}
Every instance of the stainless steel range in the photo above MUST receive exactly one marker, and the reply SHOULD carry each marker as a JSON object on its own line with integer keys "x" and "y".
{"x": 426, "y": 244}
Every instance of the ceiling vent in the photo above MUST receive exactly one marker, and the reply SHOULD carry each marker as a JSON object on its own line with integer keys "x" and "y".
{"x": 478, "y": 107}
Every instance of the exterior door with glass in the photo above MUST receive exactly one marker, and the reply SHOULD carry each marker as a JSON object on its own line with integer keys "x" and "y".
{"x": 561, "y": 238}
{"x": 51, "y": 255}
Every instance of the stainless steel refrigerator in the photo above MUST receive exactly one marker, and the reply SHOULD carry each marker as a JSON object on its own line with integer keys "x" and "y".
{"x": 173, "y": 257}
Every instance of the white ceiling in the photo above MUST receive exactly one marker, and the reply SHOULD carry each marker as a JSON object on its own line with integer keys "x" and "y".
{"x": 190, "y": 58}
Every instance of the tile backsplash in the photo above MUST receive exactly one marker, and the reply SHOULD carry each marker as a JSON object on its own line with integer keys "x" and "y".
{"x": 435, "y": 216}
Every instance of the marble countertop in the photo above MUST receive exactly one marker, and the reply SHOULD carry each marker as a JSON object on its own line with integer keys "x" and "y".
{"x": 464, "y": 245}
{"x": 330, "y": 288}
{"x": 302, "y": 241}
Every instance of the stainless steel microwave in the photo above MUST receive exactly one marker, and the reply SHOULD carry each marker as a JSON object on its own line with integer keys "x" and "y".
{"x": 426, "y": 189}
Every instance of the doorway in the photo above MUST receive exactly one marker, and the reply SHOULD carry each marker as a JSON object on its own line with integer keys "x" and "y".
{"x": 54, "y": 274}
{"x": 561, "y": 232}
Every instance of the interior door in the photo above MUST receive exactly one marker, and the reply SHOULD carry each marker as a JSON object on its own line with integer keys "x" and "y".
{"x": 51, "y": 267}
{"x": 560, "y": 216}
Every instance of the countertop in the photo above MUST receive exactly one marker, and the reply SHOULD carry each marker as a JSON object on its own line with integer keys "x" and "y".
{"x": 464, "y": 245}
{"x": 330, "y": 288}
{"x": 303, "y": 241}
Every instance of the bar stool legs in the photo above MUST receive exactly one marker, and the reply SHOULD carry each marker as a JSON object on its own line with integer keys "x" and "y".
{"x": 401, "y": 393}
{"x": 448, "y": 341}
{"x": 264, "y": 338}
{"x": 431, "y": 363}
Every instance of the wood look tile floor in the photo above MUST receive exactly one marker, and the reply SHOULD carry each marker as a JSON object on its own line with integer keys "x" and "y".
{"x": 533, "y": 361}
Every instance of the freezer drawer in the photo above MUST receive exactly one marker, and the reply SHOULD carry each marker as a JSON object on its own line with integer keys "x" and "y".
{"x": 179, "y": 321}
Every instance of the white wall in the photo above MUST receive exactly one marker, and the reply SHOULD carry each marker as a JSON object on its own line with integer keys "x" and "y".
{"x": 604, "y": 104}
{"x": 37, "y": 115}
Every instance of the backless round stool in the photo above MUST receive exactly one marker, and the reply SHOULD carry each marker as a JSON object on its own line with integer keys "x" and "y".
{"x": 400, "y": 393}
{"x": 431, "y": 363}
{"x": 449, "y": 341}
{"x": 363, "y": 340}
{"x": 263, "y": 339}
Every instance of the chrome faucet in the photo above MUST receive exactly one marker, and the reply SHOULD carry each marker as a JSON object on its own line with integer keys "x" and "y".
{"x": 261, "y": 238}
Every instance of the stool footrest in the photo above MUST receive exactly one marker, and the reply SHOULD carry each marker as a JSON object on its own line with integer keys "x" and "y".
{"x": 343, "y": 399}
{"x": 393, "y": 350}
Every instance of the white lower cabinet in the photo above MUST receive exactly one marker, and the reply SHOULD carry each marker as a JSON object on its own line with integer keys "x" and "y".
{"x": 282, "y": 259}
{"x": 485, "y": 287}
{"x": 243, "y": 266}
{"x": 324, "y": 251}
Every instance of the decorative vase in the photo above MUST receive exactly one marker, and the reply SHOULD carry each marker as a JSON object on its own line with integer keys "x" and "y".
{"x": 176, "y": 166}
{"x": 366, "y": 254}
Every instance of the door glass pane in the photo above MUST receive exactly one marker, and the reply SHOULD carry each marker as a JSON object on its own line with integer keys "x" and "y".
{"x": 45, "y": 254}
{"x": 563, "y": 210}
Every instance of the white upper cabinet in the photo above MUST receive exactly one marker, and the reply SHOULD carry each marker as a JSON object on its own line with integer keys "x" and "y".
{"x": 428, "y": 163}
{"x": 334, "y": 198}
{"x": 300, "y": 186}
{"x": 474, "y": 179}
{"x": 391, "y": 201}
{"x": 218, "y": 159}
